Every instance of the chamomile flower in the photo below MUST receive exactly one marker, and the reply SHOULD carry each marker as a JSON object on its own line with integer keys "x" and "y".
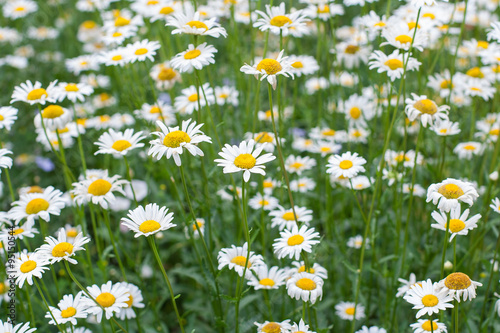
{"x": 59, "y": 249}
{"x": 305, "y": 286}
{"x": 164, "y": 75}
{"x": 158, "y": 111}
{"x": 19, "y": 231}
{"x": 301, "y": 327}
{"x": 270, "y": 68}
{"x": 494, "y": 32}
{"x": 449, "y": 193}
{"x": 267, "y": 278}
{"x": 392, "y": 64}
{"x": 7, "y": 327}
{"x": 459, "y": 284}
{"x": 73, "y": 91}
{"x": 293, "y": 242}
{"x": 134, "y": 301}
{"x": 112, "y": 298}
{"x": 316, "y": 269}
{"x": 401, "y": 37}
{"x": 68, "y": 310}
{"x": 302, "y": 185}
{"x": 53, "y": 117}
{"x": 458, "y": 223}
{"x": 360, "y": 182}
{"x": 37, "y": 205}
{"x": 277, "y": 21}
{"x": 373, "y": 329}
{"x": 235, "y": 259}
{"x": 198, "y": 224}
{"x": 272, "y": 326}
{"x": 116, "y": 57}
{"x": 99, "y": 191}
{"x": 34, "y": 93}
{"x": 19, "y": 8}
{"x": 172, "y": 141}
{"x": 356, "y": 242}
{"x": 192, "y": 99}
{"x": 5, "y": 161}
{"x": 426, "y": 298}
{"x": 299, "y": 164}
{"x": 428, "y": 111}
{"x": 119, "y": 143}
{"x": 191, "y": 23}
{"x": 467, "y": 150}
{"x": 226, "y": 95}
{"x": 424, "y": 326}
{"x": 445, "y": 128}
{"x": 474, "y": 87}
{"x": 303, "y": 65}
{"x": 8, "y": 115}
{"x": 495, "y": 205}
{"x": 142, "y": 50}
{"x": 348, "y": 310}
{"x": 406, "y": 284}
{"x": 265, "y": 202}
{"x": 244, "y": 157}
{"x": 26, "y": 267}
{"x": 285, "y": 219}
{"x": 347, "y": 165}
{"x": 149, "y": 220}
{"x": 194, "y": 58}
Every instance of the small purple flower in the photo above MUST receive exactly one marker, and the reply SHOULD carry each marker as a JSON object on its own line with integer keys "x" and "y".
{"x": 44, "y": 163}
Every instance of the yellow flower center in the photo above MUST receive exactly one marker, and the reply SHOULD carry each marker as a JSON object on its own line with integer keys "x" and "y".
{"x": 350, "y": 311}
{"x": 130, "y": 300}
{"x": 429, "y": 15}
{"x": 456, "y": 225}
{"x": 296, "y": 165}
{"x": 2, "y": 288}
{"x": 263, "y": 137}
{"x": 193, "y": 98}
{"x": 446, "y": 84}
{"x": 345, "y": 164}
{"x": 192, "y": 54}
{"x": 355, "y": 112}
{"x": 457, "y": 281}
{"x": 430, "y": 301}
{"x": 62, "y": 249}
{"x": 200, "y": 225}
{"x": 37, "y": 94}
{"x": 469, "y": 147}
{"x": 117, "y": 58}
{"x": 240, "y": 261}
{"x": 288, "y": 216}
{"x": 271, "y": 66}
{"x": 72, "y": 233}
{"x": 121, "y": 145}
{"x": 28, "y": 266}
{"x": 495, "y": 131}
{"x": 475, "y": 72}
{"x": 1, "y": 117}
{"x": 154, "y": 110}
{"x": 99, "y": 187}
{"x": 152, "y": 2}
{"x": 69, "y": 312}
{"x": 71, "y": 87}
{"x": 394, "y": 64}
{"x": 323, "y": 9}
{"x": 295, "y": 240}
{"x": 297, "y": 64}
{"x": 19, "y": 9}
{"x": 89, "y": 24}
{"x": 141, "y": 51}
{"x": 245, "y": 161}
{"x": 451, "y": 191}
{"x": 426, "y": 326}
{"x": 351, "y": 49}
{"x": 280, "y": 20}
{"x": 267, "y": 282}
{"x": 482, "y": 44}
{"x": 303, "y": 269}
{"x": 328, "y": 132}
{"x": 306, "y": 284}
{"x": 166, "y": 10}
{"x": 412, "y": 25}
{"x": 403, "y": 39}
{"x": 149, "y": 226}
{"x": 52, "y": 111}
{"x": 175, "y": 138}
{"x": 105, "y": 300}
{"x": 17, "y": 231}
{"x": 166, "y": 74}
{"x": 426, "y": 106}
{"x": 121, "y": 21}
{"x": 379, "y": 24}
{"x": 37, "y": 205}
{"x": 271, "y": 328}
{"x": 197, "y": 25}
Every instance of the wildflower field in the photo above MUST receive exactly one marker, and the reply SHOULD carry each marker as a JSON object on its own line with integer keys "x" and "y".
{"x": 236, "y": 166}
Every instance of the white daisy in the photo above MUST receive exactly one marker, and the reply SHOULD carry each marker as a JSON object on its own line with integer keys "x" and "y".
{"x": 20, "y": 231}
{"x": 26, "y": 267}
{"x": 347, "y": 165}
{"x": 73, "y": 91}
{"x": 98, "y": 191}
{"x": 68, "y": 310}
{"x": 316, "y": 269}
{"x": 285, "y": 219}
{"x": 236, "y": 257}
{"x": 269, "y": 69}
{"x": 428, "y": 299}
{"x": 6, "y": 327}
{"x": 267, "y": 278}
{"x": 191, "y": 23}
{"x": 149, "y": 220}
{"x": 401, "y": 37}
{"x": 158, "y": 111}
{"x": 192, "y": 99}
{"x": 458, "y": 223}
{"x": 392, "y": 64}
{"x": 194, "y": 58}
{"x": 110, "y": 299}
{"x": 142, "y": 50}
{"x": 426, "y": 109}
{"x": 271, "y": 326}
{"x": 119, "y": 143}
{"x": 299, "y": 164}
{"x": 134, "y": 301}
{"x": 265, "y": 202}
{"x": 424, "y": 326}
{"x": 59, "y": 249}
{"x": 276, "y": 20}
{"x": 37, "y": 205}
{"x": 8, "y": 115}
{"x": 406, "y": 284}
{"x": 5, "y": 161}
{"x": 449, "y": 193}
{"x": 347, "y": 311}
{"x": 305, "y": 286}
{"x": 459, "y": 284}
{"x": 301, "y": 327}
{"x": 34, "y": 93}
{"x": 54, "y": 117}
{"x": 495, "y": 205}
{"x": 467, "y": 150}
{"x": 293, "y": 242}
{"x": 445, "y": 128}
{"x": 302, "y": 185}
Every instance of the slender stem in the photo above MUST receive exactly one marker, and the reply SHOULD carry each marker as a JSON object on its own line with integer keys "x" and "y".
{"x": 47, "y": 305}
{"x": 112, "y": 238}
{"x": 9, "y": 183}
{"x": 129, "y": 178}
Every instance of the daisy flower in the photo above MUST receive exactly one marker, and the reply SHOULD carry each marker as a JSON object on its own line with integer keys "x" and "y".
{"x": 449, "y": 193}
{"x": 347, "y": 165}
{"x": 192, "y": 99}
{"x": 459, "y": 284}
{"x": 99, "y": 191}
{"x": 305, "y": 286}
{"x": 467, "y": 150}
{"x": 116, "y": 57}
{"x": 34, "y": 93}
{"x": 164, "y": 76}
{"x": 428, "y": 299}
{"x": 194, "y": 58}
{"x": 54, "y": 117}
{"x": 316, "y": 269}
{"x": 235, "y": 259}
{"x": 19, "y": 8}
{"x": 458, "y": 224}
{"x": 293, "y": 242}
{"x": 325, "y": 147}
{"x": 303, "y": 65}
{"x": 445, "y": 128}
{"x": 301, "y": 327}
{"x": 227, "y": 95}
{"x": 285, "y": 219}
{"x": 265, "y": 202}
{"x": 360, "y": 182}
{"x": 298, "y": 164}
{"x": 134, "y": 301}
{"x": 406, "y": 284}
{"x": 119, "y": 143}
{"x": 172, "y": 141}
{"x": 267, "y": 278}
{"x": 494, "y": 32}
{"x": 347, "y": 311}
{"x": 424, "y": 326}
{"x": 401, "y": 37}
{"x": 5, "y": 161}
{"x": 110, "y": 298}
{"x": 244, "y": 158}
{"x": 356, "y": 242}
{"x": 8, "y": 115}
{"x": 271, "y": 326}
{"x": 149, "y": 220}
{"x": 68, "y": 310}
{"x": 426, "y": 109}
{"x": 373, "y": 329}
{"x": 37, "y": 205}
{"x": 19, "y": 328}
{"x": 199, "y": 224}
{"x": 142, "y": 50}
{"x": 73, "y": 91}
{"x": 392, "y": 64}
{"x": 302, "y": 185}
{"x": 478, "y": 88}
{"x": 276, "y": 20}
{"x": 191, "y": 23}
{"x": 495, "y": 205}
{"x": 26, "y": 229}
{"x": 59, "y": 249}
{"x": 270, "y": 69}
{"x": 26, "y": 267}
{"x": 158, "y": 111}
